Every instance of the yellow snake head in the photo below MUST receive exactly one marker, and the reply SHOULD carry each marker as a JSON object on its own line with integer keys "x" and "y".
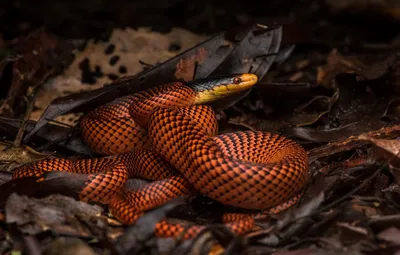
{"x": 211, "y": 89}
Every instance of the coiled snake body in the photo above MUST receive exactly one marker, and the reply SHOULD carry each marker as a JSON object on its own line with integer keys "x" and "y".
{"x": 167, "y": 135}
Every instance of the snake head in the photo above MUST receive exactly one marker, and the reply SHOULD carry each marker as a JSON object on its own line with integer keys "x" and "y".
{"x": 213, "y": 88}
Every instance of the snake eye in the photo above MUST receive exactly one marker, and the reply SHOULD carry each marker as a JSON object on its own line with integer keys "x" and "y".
{"x": 237, "y": 80}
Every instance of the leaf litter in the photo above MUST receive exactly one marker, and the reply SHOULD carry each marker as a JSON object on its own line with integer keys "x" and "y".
{"x": 343, "y": 108}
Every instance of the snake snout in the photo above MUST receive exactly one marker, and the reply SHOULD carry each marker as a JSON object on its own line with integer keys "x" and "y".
{"x": 208, "y": 90}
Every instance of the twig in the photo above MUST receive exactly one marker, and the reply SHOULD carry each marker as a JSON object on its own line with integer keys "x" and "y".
{"x": 31, "y": 95}
{"x": 196, "y": 66}
{"x": 145, "y": 64}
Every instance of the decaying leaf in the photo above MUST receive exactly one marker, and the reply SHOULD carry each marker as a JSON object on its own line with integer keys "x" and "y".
{"x": 390, "y": 149}
{"x": 352, "y": 142}
{"x": 338, "y": 64}
{"x": 101, "y": 62}
{"x": 59, "y": 214}
{"x": 302, "y": 117}
{"x": 11, "y": 156}
{"x": 390, "y": 146}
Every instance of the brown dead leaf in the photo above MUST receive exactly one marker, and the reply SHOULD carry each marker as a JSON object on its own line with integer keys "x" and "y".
{"x": 335, "y": 64}
{"x": 389, "y": 149}
{"x": 338, "y": 64}
{"x": 390, "y": 146}
{"x": 60, "y": 214}
{"x": 186, "y": 67}
{"x": 12, "y": 156}
{"x": 304, "y": 117}
{"x": 352, "y": 142}
{"x": 122, "y": 55}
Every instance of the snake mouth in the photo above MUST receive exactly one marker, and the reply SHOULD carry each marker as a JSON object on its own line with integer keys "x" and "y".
{"x": 211, "y": 89}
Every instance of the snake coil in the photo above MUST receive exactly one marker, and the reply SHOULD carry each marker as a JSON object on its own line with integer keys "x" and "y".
{"x": 167, "y": 135}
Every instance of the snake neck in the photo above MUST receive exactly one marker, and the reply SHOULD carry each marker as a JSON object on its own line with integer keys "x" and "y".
{"x": 177, "y": 94}
{"x": 171, "y": 95}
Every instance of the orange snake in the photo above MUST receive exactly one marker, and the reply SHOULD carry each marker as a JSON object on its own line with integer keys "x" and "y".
{"x": 168, "y": 135}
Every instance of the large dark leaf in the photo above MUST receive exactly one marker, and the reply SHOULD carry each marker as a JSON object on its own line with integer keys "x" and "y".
{"x": 254, "y": 52}
{"x": 139, "y": 237}
{"x": 63, "y": 183}
{"x": 48, "y": 135}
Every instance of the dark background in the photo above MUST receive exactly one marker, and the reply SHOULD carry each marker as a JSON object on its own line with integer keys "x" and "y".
{"x": 333, "y": 22}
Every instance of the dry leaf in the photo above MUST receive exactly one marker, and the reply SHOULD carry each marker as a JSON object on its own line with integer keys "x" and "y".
{"x": 121, "y": 55}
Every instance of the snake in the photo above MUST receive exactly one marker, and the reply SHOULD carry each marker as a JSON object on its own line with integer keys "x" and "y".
{"x": 168, "y": 135}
